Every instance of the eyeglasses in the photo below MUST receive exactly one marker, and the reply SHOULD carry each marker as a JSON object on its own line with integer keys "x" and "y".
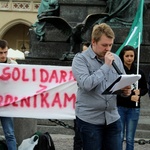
{"x": 3, "y": 52}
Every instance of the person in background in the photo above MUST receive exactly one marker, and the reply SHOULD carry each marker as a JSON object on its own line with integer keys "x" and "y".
{"x": 127, "y": 107}
{"x": 85, "y": 46}
{"x": 7, "y": 122}
{"x": 97, "y": 117}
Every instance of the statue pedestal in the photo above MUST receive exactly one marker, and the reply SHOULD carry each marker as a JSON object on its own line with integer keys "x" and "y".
{"x": 59, "y": 37}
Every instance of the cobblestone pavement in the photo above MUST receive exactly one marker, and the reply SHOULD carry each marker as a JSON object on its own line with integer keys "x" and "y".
{"x": 65, "y": 142}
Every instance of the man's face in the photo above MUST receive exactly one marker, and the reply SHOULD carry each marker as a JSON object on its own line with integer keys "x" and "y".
{"x": 102, "y": 46}
{"x": 3, "y": 54}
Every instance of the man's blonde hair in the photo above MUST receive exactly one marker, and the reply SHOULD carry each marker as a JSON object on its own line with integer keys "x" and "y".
{"x": 100, "y": 29}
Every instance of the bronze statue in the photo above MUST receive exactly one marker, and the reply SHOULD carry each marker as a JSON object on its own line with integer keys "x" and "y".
{"x": 122, "y": 11}
{"x": 46, "y": 8}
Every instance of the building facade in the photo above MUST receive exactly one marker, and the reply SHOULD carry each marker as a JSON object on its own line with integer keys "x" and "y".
{"x": 17, "y": 16}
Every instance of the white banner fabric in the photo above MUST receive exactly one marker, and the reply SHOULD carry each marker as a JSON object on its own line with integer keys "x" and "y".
{"x": 37, "y": 91}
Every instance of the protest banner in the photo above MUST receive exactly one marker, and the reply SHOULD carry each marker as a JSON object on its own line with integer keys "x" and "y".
{"x": 37, "y": 91}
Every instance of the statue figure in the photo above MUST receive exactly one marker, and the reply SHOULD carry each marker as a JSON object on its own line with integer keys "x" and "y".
{"x": 122, "y": 11}
{"x": 46, "y": 8}
{"x": 118, "y": 12}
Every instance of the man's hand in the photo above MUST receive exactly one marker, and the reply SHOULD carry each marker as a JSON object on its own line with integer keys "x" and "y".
{"x": 126, "y": 91}
{"x": 109, "y": 57}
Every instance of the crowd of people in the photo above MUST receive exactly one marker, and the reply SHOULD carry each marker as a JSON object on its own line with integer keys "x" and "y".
{"x": 102, "y": 120}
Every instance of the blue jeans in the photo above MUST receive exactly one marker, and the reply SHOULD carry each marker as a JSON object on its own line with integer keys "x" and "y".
{"x": 8, "y": 128}
{"x": 100, "y": 137}
{"x": 129, "y": 119}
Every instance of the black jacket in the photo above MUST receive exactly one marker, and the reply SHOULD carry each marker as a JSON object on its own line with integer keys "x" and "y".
{"x": 142, "y": 85}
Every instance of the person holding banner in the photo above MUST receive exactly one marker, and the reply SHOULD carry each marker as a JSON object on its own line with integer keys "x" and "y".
{"x": 127, "y": 107}
{"x": 7, "y": 122}
{"x": 97, "y": 117}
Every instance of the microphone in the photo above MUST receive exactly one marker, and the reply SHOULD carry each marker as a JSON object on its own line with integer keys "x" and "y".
{"x": 116, "y": 68}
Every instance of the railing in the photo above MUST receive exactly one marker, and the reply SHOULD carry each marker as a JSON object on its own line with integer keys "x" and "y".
{"x": 14, "y": 5}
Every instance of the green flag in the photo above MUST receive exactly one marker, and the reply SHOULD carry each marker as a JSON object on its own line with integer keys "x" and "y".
{"x": 136, "y": 29}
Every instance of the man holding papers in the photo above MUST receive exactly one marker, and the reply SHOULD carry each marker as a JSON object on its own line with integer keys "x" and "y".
{"x": 97, "y": 116}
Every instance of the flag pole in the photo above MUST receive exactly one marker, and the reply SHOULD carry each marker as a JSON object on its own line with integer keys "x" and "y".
{"x": 138, "y": 60}
{"x": 138, "y": 53}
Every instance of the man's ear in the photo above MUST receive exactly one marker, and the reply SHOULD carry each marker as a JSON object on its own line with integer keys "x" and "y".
{"x": 93, "y": 42}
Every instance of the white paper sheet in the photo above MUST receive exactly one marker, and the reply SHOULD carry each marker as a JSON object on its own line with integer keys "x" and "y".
{"x": 125, "y": 81}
